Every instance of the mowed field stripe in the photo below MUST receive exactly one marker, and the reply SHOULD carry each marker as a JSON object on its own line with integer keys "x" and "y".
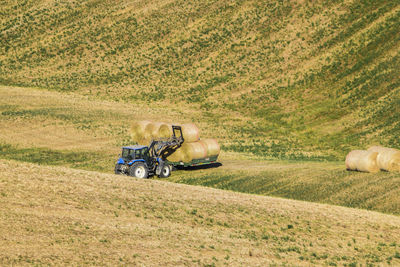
{"x": 57, "y": 215}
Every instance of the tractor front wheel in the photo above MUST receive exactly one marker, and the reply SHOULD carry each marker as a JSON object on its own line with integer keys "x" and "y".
{"x": 118, "y": 169}
{"x": 139, "y": 170}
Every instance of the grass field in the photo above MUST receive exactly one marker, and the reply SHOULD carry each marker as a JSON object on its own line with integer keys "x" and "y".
{"x": 62, "y": 216}
{"x": 326, "y": 182}
{"x": 293, "y": 80}
{"x": 287, "y": 87}
{"x": 70, "y": 130}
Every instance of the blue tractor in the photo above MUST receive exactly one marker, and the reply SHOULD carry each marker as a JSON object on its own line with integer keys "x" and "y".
{"x": 145, "y": 161}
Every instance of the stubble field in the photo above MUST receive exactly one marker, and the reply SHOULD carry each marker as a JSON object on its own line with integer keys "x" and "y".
{"x": 62, "y": 216}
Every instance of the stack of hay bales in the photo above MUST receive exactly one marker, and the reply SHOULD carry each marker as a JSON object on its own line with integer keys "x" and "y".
{"x": 142, "y": 132}
{"x": 192, "y": 148}
{"x": 138, "y": 131}
{"x": 374, "y": 159}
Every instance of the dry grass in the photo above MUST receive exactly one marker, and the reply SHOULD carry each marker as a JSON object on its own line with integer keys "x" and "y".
{"x": 61, "y": 216}
{"x": 68, "y": 121}
{"x": 287, "y": 80}
{"x": 71, "y": 130}
{"x": 306, "y": 76}
{"x": 326, "y": 182}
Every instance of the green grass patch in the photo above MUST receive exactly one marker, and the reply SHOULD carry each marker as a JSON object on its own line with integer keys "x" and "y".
{"x": 44, "y": 156}
{"x": 309, "y": 181}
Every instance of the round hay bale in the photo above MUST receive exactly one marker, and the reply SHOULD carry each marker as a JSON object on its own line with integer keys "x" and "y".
{"x": 137, "y": 130}
{"x": 362, "y": 160}
{"x": 213, "y": 148}
{"x": 388, "y": 158}
{"x": 193, "y": 151}
{"x": 177, "y": 156}
{"x": 144, "y": 141}
{"x": 165, "y": 131}
{"x": 151, "y": 130}
{"x": 190, "y": 132}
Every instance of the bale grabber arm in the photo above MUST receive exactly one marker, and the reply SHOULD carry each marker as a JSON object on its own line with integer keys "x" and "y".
{"x": 162, "y": 148}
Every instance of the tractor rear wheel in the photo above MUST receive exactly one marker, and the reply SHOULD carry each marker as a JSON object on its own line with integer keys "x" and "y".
{"x": 139, "y": 170}
{"x": 165, "y": 171}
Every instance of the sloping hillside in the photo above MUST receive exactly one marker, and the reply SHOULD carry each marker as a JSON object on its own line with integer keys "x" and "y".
{"x": 306, "y": 80}
{"x": 71, "y": 130}
{"x": 60, "y": 216}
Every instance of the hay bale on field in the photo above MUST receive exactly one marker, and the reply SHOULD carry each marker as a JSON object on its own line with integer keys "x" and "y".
{"x": 137, "y": 130}
{"x": 190, "y": 132}
{"x": 165, "y": 131}
{"x": 195, "y": 150}
{"x": 388, "y": 158}
{"x": 177, "y": 156}
{"x": 151, "y": 130}
{"x": 188, "y": 152}
{"x": 362, "y": 160}
{"x": 213, "y": 148}
{"x": 143, "y": 141}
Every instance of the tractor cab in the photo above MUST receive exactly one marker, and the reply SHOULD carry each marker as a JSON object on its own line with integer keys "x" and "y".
{"x": 134, "y": 156}
{"x": 134, "y": 152}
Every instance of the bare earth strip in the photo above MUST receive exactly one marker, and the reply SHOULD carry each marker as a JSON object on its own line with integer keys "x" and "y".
{"x": 62, "y": 216}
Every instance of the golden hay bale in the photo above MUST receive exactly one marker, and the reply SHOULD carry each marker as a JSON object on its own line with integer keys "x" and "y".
{"x": 362, "y": 160}
{"x": 177, "y": 156}
{"x": 188, "y": 152}
{"x": 195, "y": 150}
{"x": 213, "y": 148}
{"x": 151, "y": 130}
{"x": 388, "y": 158}
{"x": 137, "y": 130}
{"x": 190, "y": 132}
{"x": 144, "y": 141}
{"x": 165, "y": 131}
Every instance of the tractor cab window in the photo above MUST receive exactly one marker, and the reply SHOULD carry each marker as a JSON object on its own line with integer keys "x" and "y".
{"x": 128, "y": 153}
{"x": 141, "y": 153}
{"x": 131, "y": 154}
{"x": 145, "y": 153}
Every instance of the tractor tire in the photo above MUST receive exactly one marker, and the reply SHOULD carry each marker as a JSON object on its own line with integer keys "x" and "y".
{"x": 118, "y": 169}
{"x": 165, "y": 171}
{"x": 139, "y": 170}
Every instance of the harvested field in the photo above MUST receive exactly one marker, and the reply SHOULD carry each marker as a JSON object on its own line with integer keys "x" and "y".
{"x": 70, "y": 130}
{"x": 287, "y": 88}
{"x": 282, "y": 79}
{"x": 62, "y": 216}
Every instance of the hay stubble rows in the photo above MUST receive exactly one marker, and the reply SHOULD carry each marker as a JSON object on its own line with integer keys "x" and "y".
{"x": 57, "y": 215}
{"x": 288, "y": 88}
{"x": 52, "y": 128}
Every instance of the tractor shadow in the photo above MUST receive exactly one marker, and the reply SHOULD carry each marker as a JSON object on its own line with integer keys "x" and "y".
{"x": 199, "y": 167}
